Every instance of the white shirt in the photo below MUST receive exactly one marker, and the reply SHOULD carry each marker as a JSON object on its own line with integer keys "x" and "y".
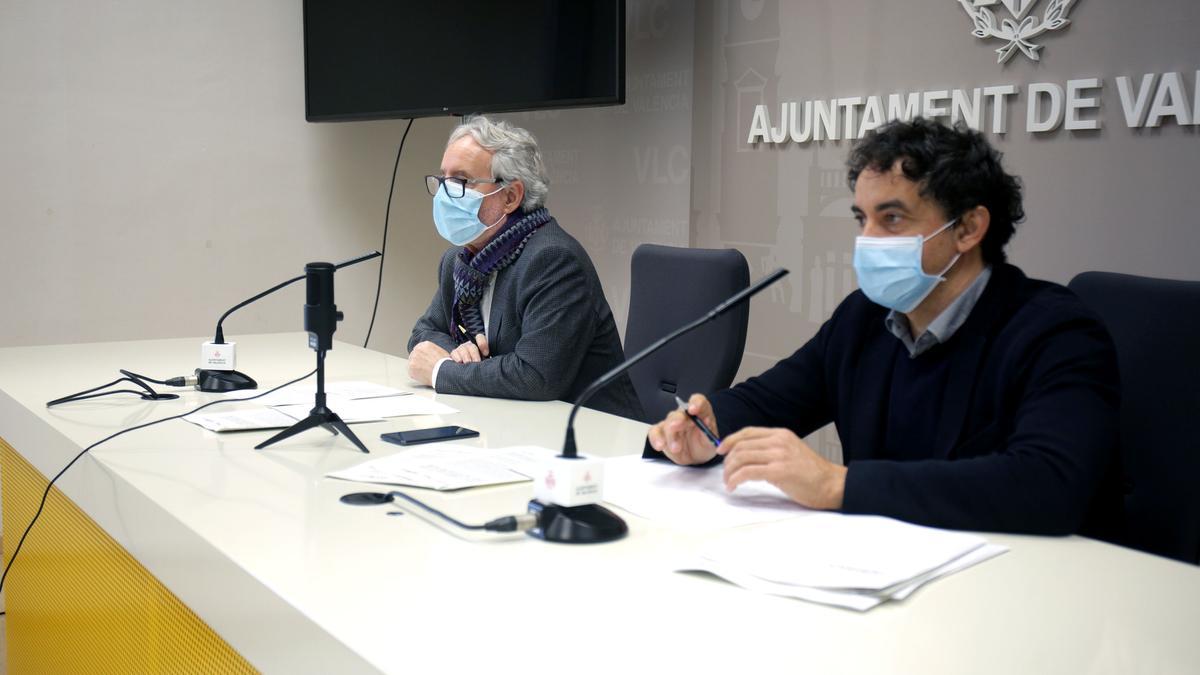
{"x": 485, "y": 308}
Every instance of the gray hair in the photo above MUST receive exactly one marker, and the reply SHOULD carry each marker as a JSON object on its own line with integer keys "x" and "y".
{"x": 515, "y": 155}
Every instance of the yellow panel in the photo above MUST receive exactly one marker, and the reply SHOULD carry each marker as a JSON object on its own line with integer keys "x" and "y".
{"x": 77, "y": 602}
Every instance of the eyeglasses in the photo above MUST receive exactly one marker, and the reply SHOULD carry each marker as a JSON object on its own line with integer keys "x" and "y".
{"x": 455, "y": 187}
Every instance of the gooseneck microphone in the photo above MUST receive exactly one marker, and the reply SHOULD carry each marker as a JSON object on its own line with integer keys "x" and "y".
{"x": 607, "y": 378}
{"x": 591, "y": 522}
{"x": 217, "y": 378}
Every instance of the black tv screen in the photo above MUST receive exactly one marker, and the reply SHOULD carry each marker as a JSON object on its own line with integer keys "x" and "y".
{"x": 381, "y": 59}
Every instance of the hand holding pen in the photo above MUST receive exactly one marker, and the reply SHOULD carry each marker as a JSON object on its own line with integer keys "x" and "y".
{"x": 688, "y": 435}
{"x": 472, "y": 350}
{"x": 712, "y": 438}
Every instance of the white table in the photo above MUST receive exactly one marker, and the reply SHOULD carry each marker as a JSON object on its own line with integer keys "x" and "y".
{"x": 257, "y": 544}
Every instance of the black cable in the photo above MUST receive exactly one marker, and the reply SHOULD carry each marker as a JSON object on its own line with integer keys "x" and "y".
{"x": 83, "y": 397}
{"x": 83, "y": 452}
{"x": 72, "y": 397}
{"x": 383, "y": 249}
{"x": 396, "y": 493}
{"x": 149, "y": 394}
{"x": 177, "y": 381}
{"x": 139, "y": 382}
{"x": 503, "y": 524}
{"x": 128, "y": 373}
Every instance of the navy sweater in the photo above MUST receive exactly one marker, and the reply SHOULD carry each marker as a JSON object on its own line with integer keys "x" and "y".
{"x": 1021, "y": 438}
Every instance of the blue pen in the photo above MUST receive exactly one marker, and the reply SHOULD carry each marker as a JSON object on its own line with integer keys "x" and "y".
{"x": 712, "y": 438}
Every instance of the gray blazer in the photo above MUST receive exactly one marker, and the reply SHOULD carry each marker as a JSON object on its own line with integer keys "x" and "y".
{"x": 550, "y": 330}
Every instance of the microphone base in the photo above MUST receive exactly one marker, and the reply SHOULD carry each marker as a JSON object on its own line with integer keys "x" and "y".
{"x": 223, "y": 380}
{"x": 319, "y": 417}
{"x": 586, "y": 524}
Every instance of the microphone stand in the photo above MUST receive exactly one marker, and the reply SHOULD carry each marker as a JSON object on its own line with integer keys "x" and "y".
{"x": 320, "y": 320}
{"x": 592, "y": 522}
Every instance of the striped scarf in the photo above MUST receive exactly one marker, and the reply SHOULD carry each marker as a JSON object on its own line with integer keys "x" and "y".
{"x": 471, "y": 272}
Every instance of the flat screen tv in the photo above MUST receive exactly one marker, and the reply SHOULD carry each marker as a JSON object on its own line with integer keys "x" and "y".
{"x": 383, "y": 59}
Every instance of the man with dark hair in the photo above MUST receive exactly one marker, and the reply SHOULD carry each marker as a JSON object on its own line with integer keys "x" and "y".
{"x": 965, "y": 394}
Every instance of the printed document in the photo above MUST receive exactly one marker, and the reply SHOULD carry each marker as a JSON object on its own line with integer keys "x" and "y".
{"x": 301, "y": 392}
{"x": 447, "y": 466}
{"x": 350, "y": 410}
{"x": 856, "y": 562}
{"x": 691, "y": 497}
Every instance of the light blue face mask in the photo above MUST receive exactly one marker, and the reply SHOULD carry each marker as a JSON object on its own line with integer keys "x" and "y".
{"x": 890, "y": 273}
{"x": 457, "y": 220}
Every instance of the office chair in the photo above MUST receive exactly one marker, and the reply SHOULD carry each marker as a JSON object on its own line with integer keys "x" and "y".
{"x": 673, "y": 286}
{"x": 1155, "y": 324}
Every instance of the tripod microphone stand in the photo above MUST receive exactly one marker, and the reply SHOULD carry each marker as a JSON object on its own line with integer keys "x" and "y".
{"x": 320, "y": 320}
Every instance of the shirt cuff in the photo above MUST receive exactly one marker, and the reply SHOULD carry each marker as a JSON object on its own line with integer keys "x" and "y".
{"x": 436, "y": 367}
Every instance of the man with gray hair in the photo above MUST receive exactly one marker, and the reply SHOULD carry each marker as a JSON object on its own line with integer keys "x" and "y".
{"x": 519, "y": 311}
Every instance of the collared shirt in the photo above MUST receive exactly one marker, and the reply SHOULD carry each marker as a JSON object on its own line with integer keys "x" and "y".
{"x": 485, "y": 308}
{"x": 945, "y": 325}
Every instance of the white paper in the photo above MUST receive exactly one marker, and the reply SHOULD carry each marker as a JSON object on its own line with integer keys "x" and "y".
{"x": 349, "y": 413}
{"x": 856, "y": 600}
{"x": 373, "y": 409}
{"x": 832, "y": 550}
{"x": 396, "y": 406}
{"x": 446, "y": 466}
{"x": 351, "y": 410}
{"x": 691, "y": 497}
{"x": 242, "y": 420}
{"x": 302, "y": 393}
{"x": 855, "y": 562}
{"x": 527, "y": 460}
{"x": 985, "y": 552}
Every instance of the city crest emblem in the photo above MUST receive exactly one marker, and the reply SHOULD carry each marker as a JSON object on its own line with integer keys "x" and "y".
{"x": 1019, "y": 30}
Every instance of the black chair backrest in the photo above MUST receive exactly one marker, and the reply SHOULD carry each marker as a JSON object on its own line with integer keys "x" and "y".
{"x": 1155, "y": 324}
{"x": 669, "y": 288}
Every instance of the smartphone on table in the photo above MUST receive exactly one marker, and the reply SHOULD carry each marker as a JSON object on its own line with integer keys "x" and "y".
{"x": 433, "y": 435}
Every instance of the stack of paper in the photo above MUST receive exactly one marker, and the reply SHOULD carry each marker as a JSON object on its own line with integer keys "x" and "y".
{"x": 691, "y": 497}
{"x": 856, "y": 562}
{"x": 848, "y": 561}
{"x": 352, "y": 401}
{"x": 445, "y": 466}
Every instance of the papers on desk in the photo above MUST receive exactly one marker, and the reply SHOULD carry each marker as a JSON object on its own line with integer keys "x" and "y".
{"x": 446, "y": 466}
{"x": 374, "y": 409}
{"x": 691, "y": 497}
{"x": 302, "y": 394}
{"x": 855, "y": 562}
{"x": 243, "y": 420}
{"x": 353, "y": 401}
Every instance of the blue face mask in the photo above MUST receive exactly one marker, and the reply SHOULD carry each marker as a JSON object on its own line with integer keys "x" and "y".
{"x": 890, "y": 272}
{"x": 457, "y": 220}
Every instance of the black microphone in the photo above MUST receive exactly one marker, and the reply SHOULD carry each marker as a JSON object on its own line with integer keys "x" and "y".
{"x": 592, "y": 522}
{"x": 320, "y": 312}
{"x": 209, "y": 379}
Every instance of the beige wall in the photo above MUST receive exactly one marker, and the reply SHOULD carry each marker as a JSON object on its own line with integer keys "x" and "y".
{"x": 157, "y": 168}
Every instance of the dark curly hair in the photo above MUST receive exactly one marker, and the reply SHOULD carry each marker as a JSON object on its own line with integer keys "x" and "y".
{"x": 956, "y": 167}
